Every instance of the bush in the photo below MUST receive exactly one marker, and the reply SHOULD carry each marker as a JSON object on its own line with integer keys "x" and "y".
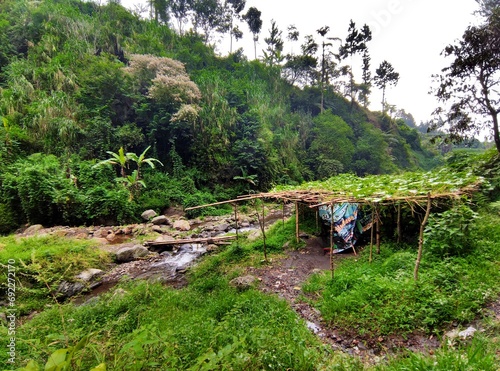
{"x": 448, "y": 233}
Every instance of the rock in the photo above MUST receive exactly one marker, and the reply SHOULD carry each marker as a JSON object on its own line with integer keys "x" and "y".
{"x": 157, "y": 229}
{"x": 127, "y": 254}
{"x": 243, "y": 282}
{"x": 90, "y": 274}
{"x": 467, "y": 333}
{"x": 212, "y": 247}
{"x": 111, "y": 236}
{"x": 222, "y": 227}
{"x": 32, "y": 230}
{"x": 245, "y": 224}
{"x": 160, "y": 220}
{"x": 182, "y": 225}
{"x": 148, "y": 214}
{"x": 68, "y": 289}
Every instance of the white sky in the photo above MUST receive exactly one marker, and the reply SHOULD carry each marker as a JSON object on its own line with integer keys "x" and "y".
{"x": 409, "y": 34}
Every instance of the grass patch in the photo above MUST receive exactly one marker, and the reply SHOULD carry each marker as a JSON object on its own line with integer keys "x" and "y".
{"x": 41, "y": 263}
{"x": 382, "y": 298}
{"x": 147, "y": 326}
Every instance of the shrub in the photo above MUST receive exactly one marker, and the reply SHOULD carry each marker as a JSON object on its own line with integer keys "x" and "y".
{"x": 448, "y": 233}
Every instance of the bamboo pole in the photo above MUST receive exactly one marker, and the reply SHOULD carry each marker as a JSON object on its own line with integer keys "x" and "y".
{"x": 331, "y": 241}
{"x": 236, "y": 220}
{"x": 283, "y": 213}
{"x": 371, "y": 234}
{"x": 421, "y": 237}
{"x": 297, "y": 221}
{"x": 264, "y": 231}
{"x": 399, "y": 223}
{"x": 378, "y": 229}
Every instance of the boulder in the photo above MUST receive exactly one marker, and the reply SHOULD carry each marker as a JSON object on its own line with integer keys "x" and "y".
{"x": 127, "y": 254}
{"x": 243, "y": 282}
{"x": 90, "y": 274}
{"x": 33, "y": 229}
{"x": 182, "y": 225}
{"x": 160, "y": 220}
{"x": 222, "y": 227}
{"x": 148, "y": 214}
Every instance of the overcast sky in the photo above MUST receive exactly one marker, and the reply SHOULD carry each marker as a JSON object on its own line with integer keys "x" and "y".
{"x": 409, "y": 34}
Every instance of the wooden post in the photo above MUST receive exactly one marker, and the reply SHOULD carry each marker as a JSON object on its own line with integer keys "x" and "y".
{"x": 331, "y": 240}
{"x": 371, "y": 233}
{"x": 378, "y": 229}
{"x": 297, "y": 221}
{"x": 236, "y": 220}
{"x": 421, "y": 237}
{"x": 283, "y": 213}
{"x": 317, "y": 219}
{"x": 264, "y": 231}
{"x": 399, "y": 223}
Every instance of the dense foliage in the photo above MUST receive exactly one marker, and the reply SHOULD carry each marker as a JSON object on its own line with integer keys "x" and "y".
{"x": 79, "y": 81}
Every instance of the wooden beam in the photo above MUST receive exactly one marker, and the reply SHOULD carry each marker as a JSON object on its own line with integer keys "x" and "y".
{"x": 214, "y": 240}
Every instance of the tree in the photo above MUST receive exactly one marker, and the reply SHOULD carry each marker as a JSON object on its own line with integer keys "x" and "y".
{"x": 365, "y": 87}
{"x": 470, "y": 84}
{"x": 272, "y": 54}
{"x": 180, "y": 10}
{"x": 209, "y": 16}
{"x": 355, "y": 43}
{"x": 234, "y": 8}
{"x": 487, "y": 7}
{"x": 252, "y": 17}
{"x": 326, "y": 61}
{"x": 385, "y": 76}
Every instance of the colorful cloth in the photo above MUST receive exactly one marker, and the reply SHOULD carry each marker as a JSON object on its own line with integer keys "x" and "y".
{"x": 344, "y": 222}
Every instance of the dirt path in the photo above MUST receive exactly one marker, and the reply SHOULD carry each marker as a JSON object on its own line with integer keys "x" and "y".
{"x": 285, "y": 278}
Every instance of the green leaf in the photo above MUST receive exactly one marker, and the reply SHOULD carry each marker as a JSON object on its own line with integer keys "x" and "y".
{"x": 57, "y": 360}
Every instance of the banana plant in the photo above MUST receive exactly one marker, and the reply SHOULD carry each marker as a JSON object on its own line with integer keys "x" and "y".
{"x": 119, "y": 158}
{"x": 141, "y": 159}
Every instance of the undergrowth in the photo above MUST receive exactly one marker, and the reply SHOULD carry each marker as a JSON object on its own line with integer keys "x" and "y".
{"x": 41, "y": 263}
{"x": 382, "y": 297}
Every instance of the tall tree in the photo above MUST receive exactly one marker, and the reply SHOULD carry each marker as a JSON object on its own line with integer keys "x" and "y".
{"x": 470, "y": 83}
{"x": 355, "y": 43}
{"x": 254, "y": 21}
{"x": 234, "y": 9}
{"x": 326, "y": 61}
{"x": 180, "y": 10}
{"x": 301, "y": 69}
{"x": 365, "y": 87}
{"x": 209, "y": 16}
{"x": 273, "y": 53}
{"x": 385, "y": 76}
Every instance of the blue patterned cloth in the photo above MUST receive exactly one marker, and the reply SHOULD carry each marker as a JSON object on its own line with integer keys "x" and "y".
{"x": 344, "y": 222}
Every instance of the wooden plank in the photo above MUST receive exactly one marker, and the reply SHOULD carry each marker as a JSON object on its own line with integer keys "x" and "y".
{"x": 214, "y": 240}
